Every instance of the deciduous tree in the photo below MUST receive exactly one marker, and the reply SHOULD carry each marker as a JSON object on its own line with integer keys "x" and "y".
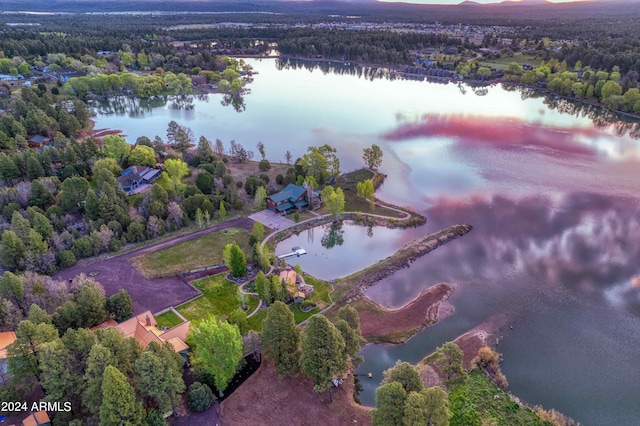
{"x": 234, "y": 260}
{"x": 175, "y": 171}
{"x": 142, "y": 155}
{"x": 333, "y": 199}
{"x": 116, "y": 147}
{"x": 372, "y": 156}
{"x": 217, "y": 348}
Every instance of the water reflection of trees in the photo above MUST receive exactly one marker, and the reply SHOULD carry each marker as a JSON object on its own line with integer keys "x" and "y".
{"x": 333, "y": 236}
{"x": 338, "y": 68}
{"x": 236, "y": 101}
{"x": 601, "y": 117}
{"x": 137, "y": 107}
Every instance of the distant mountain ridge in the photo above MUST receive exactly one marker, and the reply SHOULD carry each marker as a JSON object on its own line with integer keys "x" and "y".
{"x": 358, "y": 7}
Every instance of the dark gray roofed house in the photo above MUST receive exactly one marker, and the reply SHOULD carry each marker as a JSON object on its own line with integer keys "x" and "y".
{"x": 135, "y": 177}
{"x": 292, "y": 196}
{"x": 38, "y": 141}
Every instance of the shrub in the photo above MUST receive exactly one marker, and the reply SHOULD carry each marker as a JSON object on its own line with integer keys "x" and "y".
{"x": 308, "y": 304}
{"x": 154, "y": 418}
{"x": 238, "y": 204}
{"x": 264, "y": 165}
{"x": 225, "y": 160}
{"x": 208, "y": 167}
{"x": 279, "y": 179}
{"x": 264, "y": 178}
{"x": 66, "y": 258}
{"x": 251, "y": 184}
{"x": 239, "y": 184}
{"x": 296, "y": 216}
{"x": 199, "y": 397}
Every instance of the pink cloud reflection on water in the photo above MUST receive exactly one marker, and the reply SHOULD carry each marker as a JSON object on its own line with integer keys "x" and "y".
{"x": 499, "y": 132}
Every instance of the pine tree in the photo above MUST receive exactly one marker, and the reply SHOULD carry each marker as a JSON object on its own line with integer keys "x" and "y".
{"x": 390, "y": 403}
{"x": 99, "y": 358}
{"x": 323, "y": 355}
{"x": 22, "y": 354}
{"x": 159, "y": 379}
{"x": 280, "y": 339}
{"x": 119, "y": 405}
{"x": 222, "y": 214}
{"x": 405, "y": 374}
{"x": 58, "y": 380}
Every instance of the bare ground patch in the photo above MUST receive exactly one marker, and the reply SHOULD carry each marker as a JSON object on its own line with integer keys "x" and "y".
{"x": 266, "y": 398}
{"x": 396, "y": 325}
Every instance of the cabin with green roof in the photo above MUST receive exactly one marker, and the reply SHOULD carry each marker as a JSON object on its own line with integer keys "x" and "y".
{"x": 293, "y": 197}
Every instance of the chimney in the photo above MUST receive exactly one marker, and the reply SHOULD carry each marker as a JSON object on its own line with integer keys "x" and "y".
{"x": 148, "y": 320}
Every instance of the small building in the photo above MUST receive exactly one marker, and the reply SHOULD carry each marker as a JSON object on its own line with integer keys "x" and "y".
{"x": 299, "y": 297}
{"x": 39, "y": 141}
{"x": 135, "y": 177}
{"x": 6, "y": 338}
{"x": 289, "y": 276}
{"x": 39, "y": 418}
{"x": 293, "y": 197}
{"x": 65, "y": 74}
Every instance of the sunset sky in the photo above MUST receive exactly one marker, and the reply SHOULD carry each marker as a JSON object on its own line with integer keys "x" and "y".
{"x": 460, "y": 1}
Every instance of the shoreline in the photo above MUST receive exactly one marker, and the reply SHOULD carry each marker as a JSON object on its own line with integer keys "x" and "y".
{"x": 382, "y": 325}
{"x": 355, "y": 284}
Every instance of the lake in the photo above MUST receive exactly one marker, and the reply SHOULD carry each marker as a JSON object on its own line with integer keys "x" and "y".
{"x": 340, "y": 249}
{"x": 553, "y": 199}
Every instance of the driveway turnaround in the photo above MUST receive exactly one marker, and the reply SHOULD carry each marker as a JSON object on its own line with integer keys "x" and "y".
{"x": 147, "y": 294}
{"x": 272, "y": 220}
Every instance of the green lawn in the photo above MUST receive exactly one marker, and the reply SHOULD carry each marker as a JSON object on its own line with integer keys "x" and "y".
{"x": 255, "y": 322}
{"x": 320, "y": 296}
{"x": 219, "y": 297}
{"x": 504, "y": 60}
{"x": 352, "y": 203}
{"x": 168, "y": 319}
{"x": 192, "y": 254}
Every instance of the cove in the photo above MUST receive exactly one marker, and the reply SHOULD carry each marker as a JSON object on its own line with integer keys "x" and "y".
{"x": 550, "y": 187}
{"x": 340, "y": 249}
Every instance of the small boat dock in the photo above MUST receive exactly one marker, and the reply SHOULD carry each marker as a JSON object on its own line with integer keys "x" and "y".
{"x": 295, "y": 251}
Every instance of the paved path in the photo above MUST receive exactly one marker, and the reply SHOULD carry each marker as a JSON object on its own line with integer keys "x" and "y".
{"x": 117, "y": 273}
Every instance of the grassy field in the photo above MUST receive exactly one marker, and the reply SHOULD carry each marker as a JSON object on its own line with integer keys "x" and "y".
{"x": 168, "y": 319}
{"x": 353, "y": 203}
{"x": 480, "y": 399}
{"x": 192, "y": 254}
{"x": 518, "y": 57}
{"x": 219, "y": 297}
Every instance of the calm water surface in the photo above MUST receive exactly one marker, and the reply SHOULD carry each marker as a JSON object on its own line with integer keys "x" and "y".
{"x": 553, "y": 200}
{"x": 338, "y": 250}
